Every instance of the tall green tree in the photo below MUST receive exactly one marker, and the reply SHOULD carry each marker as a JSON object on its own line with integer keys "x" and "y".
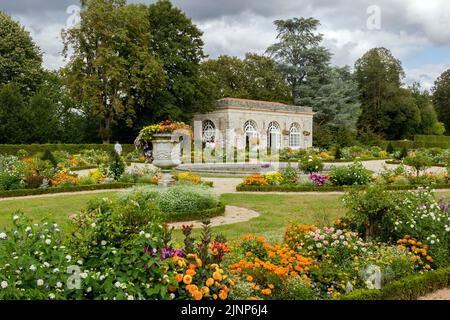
{"x": 441, "y": 98}
{"x": 112, "y": 68}
{"x": 254, "y": 77}
{"x": 429, "y": 123}
{"x": 13, "y": 121}
{"x": 301, "y": 57}
{"x": 337, "y": 102}
{"x": 178, "y": 44}
{"x": 387, "y": 109}
{"x": 20, "y": 58}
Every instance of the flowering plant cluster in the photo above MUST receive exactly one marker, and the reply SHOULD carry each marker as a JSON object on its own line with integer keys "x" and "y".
{"x": 143, "y": 140}
{"x": 265, "y": 268}
{"x": 255, "y": 180}
{"x": 318, "y": 180}
{"x": 310, "y": 164}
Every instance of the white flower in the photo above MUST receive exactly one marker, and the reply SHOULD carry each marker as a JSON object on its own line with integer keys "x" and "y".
{"x": 93, "y": 225}
{"x": 15, "y": 217}
{"x": 59, "y": 284}
{"x": 172, "y": 296}
{"x": 141, "y": 233}
{"x": 103, "y": 243}
{"x": 89, "y": 289}
{"x": 40, "y": 282}
{"x": 48, "y": 241}
{"x": 83, "y": 275}
{"x": 28, "y": 229}
{"x": 3, "y": 236}
{"x": 147, "y": 235}
{"x": 55, "y": 270}
{"x": 33, "y": 267}
{"x": 102, "y": 277}
{"x": 52, "y": 296}
{"x": 46, "y": 264}
{"x": 4, "y": 284}
{"x": 68, "y": 257}
{"x": 130, "y": 297}
{"x": 118, "y": 284}
{"x": 80, "y": 262}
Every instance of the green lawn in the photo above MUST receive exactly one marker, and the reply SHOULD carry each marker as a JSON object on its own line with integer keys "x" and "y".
{"x": 55, "y": 208}
{"x": 276, "y": 210}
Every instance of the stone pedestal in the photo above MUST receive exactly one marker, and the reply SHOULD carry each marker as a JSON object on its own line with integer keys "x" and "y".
{"x": 166, "y": 155}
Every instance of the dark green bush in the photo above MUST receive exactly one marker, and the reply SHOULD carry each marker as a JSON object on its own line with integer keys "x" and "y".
{"x": 48, "y": 156}
{"x": 32, "y": 149}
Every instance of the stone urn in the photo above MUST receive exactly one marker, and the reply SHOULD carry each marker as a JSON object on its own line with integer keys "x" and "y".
{"x": 166, "y": 154}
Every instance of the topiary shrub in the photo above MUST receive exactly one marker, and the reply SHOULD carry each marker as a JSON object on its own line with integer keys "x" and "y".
{"x": 116, "y": 166}
{"x": 48, "y": 156}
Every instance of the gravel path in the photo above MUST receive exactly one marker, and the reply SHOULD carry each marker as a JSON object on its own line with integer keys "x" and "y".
{"x": 443, "y": 294}
{"x": 232, "y": 215}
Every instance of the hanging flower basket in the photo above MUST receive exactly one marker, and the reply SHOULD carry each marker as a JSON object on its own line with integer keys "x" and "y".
{"x": 306, "y": 133}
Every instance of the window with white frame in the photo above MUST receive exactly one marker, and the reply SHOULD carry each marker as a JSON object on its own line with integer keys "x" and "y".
{"x": 294, "y": 136}
{"x": 273, "y": 135}
{"x": 209, "y": 131}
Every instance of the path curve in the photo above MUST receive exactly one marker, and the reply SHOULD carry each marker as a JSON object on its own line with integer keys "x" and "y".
{"x": 443, "y": 294}
{"x": 232, "y": 215}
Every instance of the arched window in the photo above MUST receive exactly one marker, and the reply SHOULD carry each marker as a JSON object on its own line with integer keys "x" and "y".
{"x": 208, "y": 131}
{"x": 294, "y": 136}
{"x": 274, "y": 135}
{"x": 250, "y": 128}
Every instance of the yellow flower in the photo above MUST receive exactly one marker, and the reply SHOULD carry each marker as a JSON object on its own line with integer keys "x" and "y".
{"x": 205, "y": 290}
{"x": 197, "y": 295}
{"x": 187, "y": 279}
{"x": 217, "y": 276}
{"x": 266, "y": 292}
{"x": 223, "y": 295}
{"x": 249, "y": 278}
{"x": 210, "y": 282}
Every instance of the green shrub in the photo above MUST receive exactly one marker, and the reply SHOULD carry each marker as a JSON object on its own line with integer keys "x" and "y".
{"x": 116, "y": 166}
{"x": 418, "y": 161}
{"x": 354, "y": 174}
{"x": 11, "y": 173}
{"x": 371, "y": 212}
{"x": 32, "y": 149}
{"x": 48, "y": 156}
{"x": 310, "y": 164}
{"x": 83, "y": 181}
{"x": 390, "y": 148}
{"x": 289, "y": 174}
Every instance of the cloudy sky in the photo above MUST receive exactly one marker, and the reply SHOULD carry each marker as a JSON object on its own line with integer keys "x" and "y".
{"x": 417, "y": 31}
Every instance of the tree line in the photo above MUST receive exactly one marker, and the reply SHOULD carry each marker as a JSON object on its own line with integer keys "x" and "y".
{"x": 130, "y": 65}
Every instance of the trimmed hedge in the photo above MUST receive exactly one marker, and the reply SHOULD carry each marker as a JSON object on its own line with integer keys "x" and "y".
{"x": 408, "y": 288}
{"x": 200, "y": 215}
{"x": 71, "y": 148}
{"x": 32, "y": 192}
{"x": 79, "y": 168}
{"x": 399, "y": 162}
{"x": 297, "y": 188}
{"x": 419, "y": 144}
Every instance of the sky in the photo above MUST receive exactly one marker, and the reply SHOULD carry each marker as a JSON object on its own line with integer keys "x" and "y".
{"x": 416, "y": 31}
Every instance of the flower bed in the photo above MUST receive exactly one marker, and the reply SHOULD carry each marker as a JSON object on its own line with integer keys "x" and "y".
{"x": 299, "y": 188}
{"x": 344, "y": 177}
{"x": 124, "y": 252}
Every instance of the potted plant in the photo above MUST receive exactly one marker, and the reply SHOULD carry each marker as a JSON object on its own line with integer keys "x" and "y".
{"x": 160, "y": 143}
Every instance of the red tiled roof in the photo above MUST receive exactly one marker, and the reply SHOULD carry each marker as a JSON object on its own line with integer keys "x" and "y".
{"x": 256, "y": 101}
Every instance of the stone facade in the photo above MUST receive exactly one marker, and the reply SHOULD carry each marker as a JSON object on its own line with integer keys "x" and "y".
{"x": 241, "y": 122}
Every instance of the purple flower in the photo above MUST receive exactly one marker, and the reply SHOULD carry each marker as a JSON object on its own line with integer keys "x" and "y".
{"x": 318, "y": 179}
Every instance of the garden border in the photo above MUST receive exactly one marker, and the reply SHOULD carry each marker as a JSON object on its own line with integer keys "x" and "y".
{"x": 408, "y": 288}
{"x": 295, "y": 188}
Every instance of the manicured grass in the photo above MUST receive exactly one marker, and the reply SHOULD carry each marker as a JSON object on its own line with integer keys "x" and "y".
{"x": 56, "y": 208}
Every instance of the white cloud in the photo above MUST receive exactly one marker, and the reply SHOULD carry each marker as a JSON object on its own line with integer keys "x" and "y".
{"x": 425, "y": 74}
